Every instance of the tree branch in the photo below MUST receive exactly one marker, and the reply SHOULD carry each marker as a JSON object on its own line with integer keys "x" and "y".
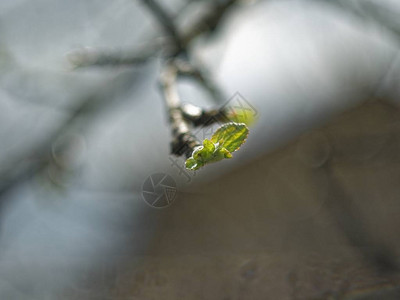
{"x": 183, "y": 141}
{"x": 208, "y": 21}
{"x": 186, "y": 68}
{"x": 93, "y": 57}
{"x": 167, "y": 23}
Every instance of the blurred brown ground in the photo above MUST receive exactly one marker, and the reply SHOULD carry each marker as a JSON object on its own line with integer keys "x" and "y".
{"x": 316, "y": 219}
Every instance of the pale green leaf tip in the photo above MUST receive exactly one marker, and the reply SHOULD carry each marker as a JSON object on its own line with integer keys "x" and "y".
{"x": 241, "y": 115}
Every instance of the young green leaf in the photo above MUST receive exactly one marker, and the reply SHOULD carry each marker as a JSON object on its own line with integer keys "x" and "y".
{"x": 227, "y": 139}
{"x": 231, "y": 135}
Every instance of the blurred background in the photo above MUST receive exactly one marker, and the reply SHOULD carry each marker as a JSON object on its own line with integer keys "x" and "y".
{"x": 307, "y": 209}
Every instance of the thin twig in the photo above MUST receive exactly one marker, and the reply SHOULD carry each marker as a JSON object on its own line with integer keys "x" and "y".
{"x": 208, "y": 21}
{"x": 183, "y": 141}
{"x": 93, "y": 57}
{"x": 167, "y": 23}
{"x": 186, "y": 68}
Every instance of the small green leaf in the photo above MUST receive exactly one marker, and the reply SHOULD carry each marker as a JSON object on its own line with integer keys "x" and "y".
{"x": 228, "y": 138}
{"x": 231, "y": 135}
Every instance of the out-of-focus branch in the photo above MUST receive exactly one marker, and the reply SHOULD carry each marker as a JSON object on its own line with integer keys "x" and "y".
{"x": 167, "y": 23}
{"x": 39, "y": 157}
{"x": 94, "y": 57}
{"x": 199, "y": 74}
{"x": 372, "y": 11}
{"x": 207, "y": 21}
